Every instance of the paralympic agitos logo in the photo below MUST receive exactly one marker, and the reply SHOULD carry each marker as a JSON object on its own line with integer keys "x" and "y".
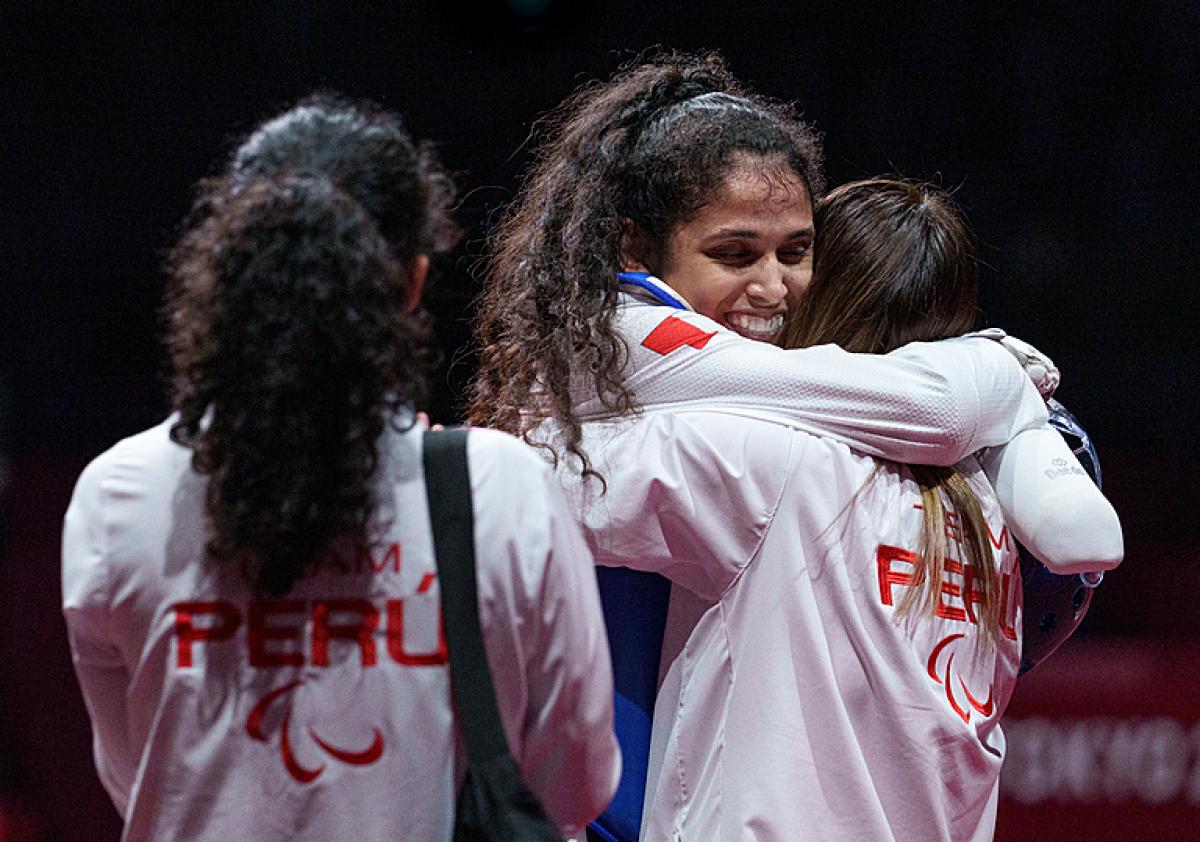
{"x": 957, "y": 599}
{"x": 303, "y": 774}
{"x": 943, "y": 677}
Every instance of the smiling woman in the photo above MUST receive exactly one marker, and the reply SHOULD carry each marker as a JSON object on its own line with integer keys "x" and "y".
{"x": 747, "y": 254}
{"x": 676, "y": 168}
{"x": 673, "y": 167}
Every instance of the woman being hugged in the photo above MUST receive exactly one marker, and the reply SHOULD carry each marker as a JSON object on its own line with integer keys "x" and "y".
{"x": 250, "y": 586}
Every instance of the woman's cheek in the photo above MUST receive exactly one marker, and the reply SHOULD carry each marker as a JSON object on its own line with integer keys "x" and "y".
{"x": 798, "y": 281}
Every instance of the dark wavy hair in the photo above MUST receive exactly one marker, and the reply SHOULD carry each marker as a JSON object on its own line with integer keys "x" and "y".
{"x": 368, "y": 153}
{"x": 640, "y": 154}
{"x": 290, "y": 344}
{"x": 894, "y": 263}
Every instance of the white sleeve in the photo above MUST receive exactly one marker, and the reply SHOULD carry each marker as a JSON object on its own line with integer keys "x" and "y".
{"x": 99, "y": 667}
{"x": 568, "y": 753}
{"x": 929, "y": 403}
{"x": 1052, "y": 505}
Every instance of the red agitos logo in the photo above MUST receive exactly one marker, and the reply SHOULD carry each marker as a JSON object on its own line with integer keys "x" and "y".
{"x": 254, "y": 727}
{"x": 957, "y": 598}
{"x": 943, "y": 677}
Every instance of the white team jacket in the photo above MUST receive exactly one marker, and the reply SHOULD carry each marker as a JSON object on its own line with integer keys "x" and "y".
{"x": 928, "y": 403}
{"x": 795, "y": 706}
{"x": 327, "y": 714}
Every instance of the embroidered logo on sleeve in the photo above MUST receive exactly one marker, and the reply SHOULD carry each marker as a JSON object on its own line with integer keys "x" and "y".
{"x": 673, "y": 333}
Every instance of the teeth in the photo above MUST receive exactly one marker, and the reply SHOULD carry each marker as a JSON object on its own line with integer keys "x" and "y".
{"x": 756, "y": 325}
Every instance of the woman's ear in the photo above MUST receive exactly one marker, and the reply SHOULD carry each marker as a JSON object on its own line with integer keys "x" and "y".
{"x": 418, "y": 269}
{"x": 632, "y": 248}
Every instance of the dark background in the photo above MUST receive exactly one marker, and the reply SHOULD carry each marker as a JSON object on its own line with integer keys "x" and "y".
{"x": 1070, "y": 137}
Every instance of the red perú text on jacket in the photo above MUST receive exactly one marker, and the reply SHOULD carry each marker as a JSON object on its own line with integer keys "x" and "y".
{"x": 275, "y": 628}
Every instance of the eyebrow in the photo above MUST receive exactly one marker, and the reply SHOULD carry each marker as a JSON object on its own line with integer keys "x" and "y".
{"x": 754, "y": 235}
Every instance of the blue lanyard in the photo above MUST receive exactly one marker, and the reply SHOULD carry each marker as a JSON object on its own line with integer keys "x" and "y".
{"x": 652, "y": 285}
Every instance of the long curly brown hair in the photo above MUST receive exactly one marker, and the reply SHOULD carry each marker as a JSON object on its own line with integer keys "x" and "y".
{"x": 290, "y": 344}
{"x": 637, "y": 155}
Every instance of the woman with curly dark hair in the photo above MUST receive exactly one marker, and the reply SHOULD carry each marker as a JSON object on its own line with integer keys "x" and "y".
{"x": 285, "y": 482}
{"x": 250, "y": 587}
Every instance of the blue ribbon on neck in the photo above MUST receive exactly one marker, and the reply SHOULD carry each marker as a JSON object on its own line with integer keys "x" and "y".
{"x": 642, "y": 281}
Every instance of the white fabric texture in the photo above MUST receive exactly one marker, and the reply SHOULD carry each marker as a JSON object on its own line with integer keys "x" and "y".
{"x": 214, "y": 738}
{"x": 931, "y": 403}
{"x": 1038, "y": 367}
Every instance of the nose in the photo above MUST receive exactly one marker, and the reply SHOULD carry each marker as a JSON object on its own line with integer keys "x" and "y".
{"x": 769, "y": 285}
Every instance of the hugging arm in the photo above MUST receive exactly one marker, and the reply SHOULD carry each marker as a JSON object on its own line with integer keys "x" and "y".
{"x": 929, "y": 403}
{"x": 926, "y": 403}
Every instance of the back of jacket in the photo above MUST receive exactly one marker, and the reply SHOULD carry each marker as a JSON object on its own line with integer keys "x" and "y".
{"x": 796, "y": 703}
{"x": 326, "y": 714}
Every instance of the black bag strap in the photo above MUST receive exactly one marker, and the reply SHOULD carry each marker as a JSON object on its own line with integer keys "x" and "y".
{"x": 448, "y": 490}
